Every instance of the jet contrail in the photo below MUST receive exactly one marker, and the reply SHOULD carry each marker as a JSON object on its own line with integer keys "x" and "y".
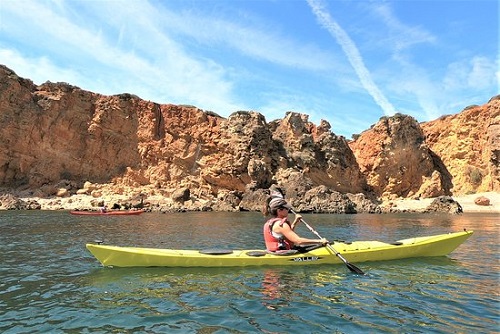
{"x": 352, "y": 53}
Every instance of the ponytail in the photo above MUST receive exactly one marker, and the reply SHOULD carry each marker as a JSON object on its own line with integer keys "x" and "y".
{"x": 266, "y": 211}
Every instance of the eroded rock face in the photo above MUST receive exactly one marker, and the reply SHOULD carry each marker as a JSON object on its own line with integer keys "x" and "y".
{"x": 468, "y": 143}
{"x": 320, "y": 156}
{"x": 56, "y": 133}
{"x": 59, "y": 140}
{"x": 397, "y": 162}
{"x": 456, "y": 154}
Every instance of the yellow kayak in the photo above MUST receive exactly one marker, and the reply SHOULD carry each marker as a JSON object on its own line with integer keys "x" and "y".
{"x": 355, "y": 252}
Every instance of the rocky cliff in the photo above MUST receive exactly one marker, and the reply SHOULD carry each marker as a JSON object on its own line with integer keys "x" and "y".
{"x": 468, "y": 144}
{"x": 455, "y": 154}
{"x": 397, "y": 162}
{"x": 59, "y": 140}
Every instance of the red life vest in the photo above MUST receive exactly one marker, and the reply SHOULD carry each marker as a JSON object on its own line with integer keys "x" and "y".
{"x": 272, "y": 243}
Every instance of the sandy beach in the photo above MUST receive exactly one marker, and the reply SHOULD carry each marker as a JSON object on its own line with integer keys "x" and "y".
{"x": 466, "y": 201}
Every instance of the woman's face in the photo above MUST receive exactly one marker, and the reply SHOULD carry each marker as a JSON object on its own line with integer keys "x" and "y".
{"x": 282, "y": 212}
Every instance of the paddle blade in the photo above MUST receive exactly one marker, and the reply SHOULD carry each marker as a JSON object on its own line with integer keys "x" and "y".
{"x": 354, "y": 269}
{"x": 349, "y": 265}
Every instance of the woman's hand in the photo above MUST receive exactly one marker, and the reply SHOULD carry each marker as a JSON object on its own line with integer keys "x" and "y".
{"x": 297, "y": 219}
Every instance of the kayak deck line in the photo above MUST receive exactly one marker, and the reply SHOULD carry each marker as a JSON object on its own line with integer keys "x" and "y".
{"x": 356, "y": 252}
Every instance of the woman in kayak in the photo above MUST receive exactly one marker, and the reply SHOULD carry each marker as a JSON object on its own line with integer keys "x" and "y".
{"x": 279, "y": 233}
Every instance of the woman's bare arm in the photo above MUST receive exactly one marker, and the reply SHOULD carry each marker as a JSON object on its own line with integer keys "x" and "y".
{"x": 294, "y": 237}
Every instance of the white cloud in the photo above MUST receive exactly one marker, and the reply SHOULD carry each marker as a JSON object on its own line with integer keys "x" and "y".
{"x": 428, "y": 92}
{"x": 164, "y": 73}
{"x": 259, "y": 44}
{"x": 151, "y": 51}
{"x": 233, "y": 59}
{"x": 353, "y": 55}
{"x": 476, "y": 73}
{"x": 399, "y": 35}
{"x": 39, "y": 70}
{"x": 249, "y": 36}
{"x": 482, "y": 73}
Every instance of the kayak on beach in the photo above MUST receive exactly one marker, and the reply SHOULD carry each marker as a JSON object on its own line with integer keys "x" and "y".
{"x": 107, "y": 213}
{"x": 357, "y": 251}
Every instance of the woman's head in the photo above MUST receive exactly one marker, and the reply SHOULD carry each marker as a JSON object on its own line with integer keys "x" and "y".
{"x": 274, "y": 202}
{"x": 278, "y": 204}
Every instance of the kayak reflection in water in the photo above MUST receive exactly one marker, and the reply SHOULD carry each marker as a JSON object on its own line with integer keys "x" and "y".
{"x": 278, "y": 232}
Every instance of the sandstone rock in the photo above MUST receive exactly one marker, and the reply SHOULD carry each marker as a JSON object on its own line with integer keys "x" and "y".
{"x": 323, "y": 200}
{"x": 468, "y": 144}
{"x": 96, "y": 193}
{"x": 97, "y": 203}
{"x": 253, "y": 200}
{"x": 259, "y": 173}
{"x": 32, "y": 205}
{"x": 121, "y": 145}
{"x": 181, "y": 195}
{"x": 62, "y": 192}
{"x": 233, "y": 200}
{"x": 481, "y": 200}
{"x": 444, "y": 204}
{"x": 363, "y": 204}
{"x": 319, "y": 155}
{"x": 10, "y": 202}
{"x": 89, "y": 187}
{"x": 82, "y": 192}
{"x": 397, "y": 162}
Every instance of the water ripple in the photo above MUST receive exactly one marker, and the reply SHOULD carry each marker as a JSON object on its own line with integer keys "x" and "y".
{"x": 50, "y": 283}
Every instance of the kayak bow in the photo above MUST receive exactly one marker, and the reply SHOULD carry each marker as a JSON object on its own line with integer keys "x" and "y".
{"x": 357, "y": 251}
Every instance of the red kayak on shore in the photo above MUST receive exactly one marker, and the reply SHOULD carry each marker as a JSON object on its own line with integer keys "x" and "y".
{"x": 106, "y": 213}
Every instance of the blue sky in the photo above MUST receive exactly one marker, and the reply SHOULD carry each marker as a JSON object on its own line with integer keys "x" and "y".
{"x": 348, "y": 62}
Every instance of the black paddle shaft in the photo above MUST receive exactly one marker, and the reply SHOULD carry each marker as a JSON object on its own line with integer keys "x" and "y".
{"x": 349, "y": 265}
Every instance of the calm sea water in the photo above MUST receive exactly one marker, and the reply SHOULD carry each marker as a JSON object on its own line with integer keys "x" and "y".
{"x": 50, "y": 283}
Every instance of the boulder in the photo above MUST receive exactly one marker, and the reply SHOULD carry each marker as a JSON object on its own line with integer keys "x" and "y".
{"x": 444, "y": 204}
{"x": 481, "y": 200}
{"x": 181, "y": 195}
